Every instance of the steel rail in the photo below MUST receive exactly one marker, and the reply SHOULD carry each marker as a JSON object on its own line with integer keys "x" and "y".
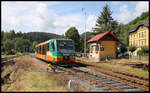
{"x": 113, "y": 69}
{"x": 117, "y": 80}
{"x": 7, "y": 59}
{"x": 90, "y": 79}
{"x": 124, "y": 77}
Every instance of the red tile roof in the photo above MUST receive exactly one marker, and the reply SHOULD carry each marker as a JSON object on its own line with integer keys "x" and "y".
{"x": 99, "y": 36}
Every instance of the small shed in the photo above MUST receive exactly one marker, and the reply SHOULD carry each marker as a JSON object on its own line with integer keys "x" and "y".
{"x": 102, "y": 46}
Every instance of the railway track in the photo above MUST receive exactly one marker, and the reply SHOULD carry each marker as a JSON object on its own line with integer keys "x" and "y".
{"x": 131, "y": 79}
{"x": 9, "y": 59}
{"x": 115, "y": 70}
{"x": 108, "y": 79}
{"x": 105, "y": 80}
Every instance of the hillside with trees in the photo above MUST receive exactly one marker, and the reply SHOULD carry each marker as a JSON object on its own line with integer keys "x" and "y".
{"x": 12, "y": 42}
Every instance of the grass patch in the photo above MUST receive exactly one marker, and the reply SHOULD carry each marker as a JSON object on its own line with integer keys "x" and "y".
{"x": 127, "y": 60}
{"x": 4, "y": 55}
{"x": 28, "y": 80}
{"x": 126, "y": 68}
{"x": 43, "y": 82}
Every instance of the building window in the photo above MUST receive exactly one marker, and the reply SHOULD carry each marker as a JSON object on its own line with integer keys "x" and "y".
{"x": 145, "y": 33}
{"x": 142, "y": 34}
{"x": 102, "y": 48}
{"x": 139, "y": 35}
{"x": 139, "y": 43}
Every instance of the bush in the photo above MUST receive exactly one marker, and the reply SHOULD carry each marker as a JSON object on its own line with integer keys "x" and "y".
{"x": 140, "y": 52}
{"x": 132, "y": 48}
{"x": 145, "y": 50}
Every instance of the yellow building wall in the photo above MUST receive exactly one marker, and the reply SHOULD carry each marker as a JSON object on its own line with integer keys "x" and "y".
{"x": 109, "y": 49}
{"x": 139, "y": 38}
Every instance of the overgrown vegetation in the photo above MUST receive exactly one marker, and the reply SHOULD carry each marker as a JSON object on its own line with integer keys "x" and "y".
{"x": 32, "y": 76}
{"x": 144, "y": 51}
{"x": 132, "y": 48}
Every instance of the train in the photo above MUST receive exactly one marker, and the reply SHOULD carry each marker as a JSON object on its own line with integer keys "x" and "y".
{"x": 56, "y": 51}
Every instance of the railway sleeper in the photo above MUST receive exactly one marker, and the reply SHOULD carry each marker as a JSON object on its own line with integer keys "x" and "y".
{"x": 124, "y": 77}
{"x": 133, "y": 90}
{"x": 115, "y": 70}
{"x": 92, "y": 80}
{"x": 109, "y": 82}
{"x": 121, "y": 81}
{"x": 124, "y": 87}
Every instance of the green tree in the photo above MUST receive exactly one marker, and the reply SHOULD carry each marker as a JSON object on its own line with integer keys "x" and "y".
{"x": 145, "y": 50}
{"x": 32, "y": 46}
{"x": 81, "y": 43}
{"x": 9, "y": 35}
{"x": 72, "y": 33}
{"x": 122, "y": 48}
{"x": 62, "y": 36}
{"x": 12, "y": 34}
{"x": 8, "y": 46}
{"x": 22, "y": 45}
{"x": 105, "y": 21}
{"x": 132, "y": 48}
{"x": 140, "y": 53}
{"x": 2, "y": 35}
{"x": 144, "y": 15}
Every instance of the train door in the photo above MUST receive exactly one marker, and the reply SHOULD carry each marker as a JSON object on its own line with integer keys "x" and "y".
{"x": 52, "y": 50}
{"x": 45, "y": 50}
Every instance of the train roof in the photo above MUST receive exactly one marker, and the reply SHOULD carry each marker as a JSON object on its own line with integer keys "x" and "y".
{"x": 49, "y": 41}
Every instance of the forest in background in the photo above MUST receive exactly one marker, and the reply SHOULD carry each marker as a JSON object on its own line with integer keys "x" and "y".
{"x": 13, "y": 42}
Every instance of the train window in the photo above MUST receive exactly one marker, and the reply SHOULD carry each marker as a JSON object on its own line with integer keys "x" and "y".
{"x": 47, "y": 47}
{"x": 38, "y": 50}
{"x": 41, "y": 49}
{"x": 65, "y": 44}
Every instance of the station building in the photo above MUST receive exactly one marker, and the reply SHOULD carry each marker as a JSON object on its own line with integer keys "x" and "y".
{"x": 102, "y": 46}
{"x": 139, "y": 37}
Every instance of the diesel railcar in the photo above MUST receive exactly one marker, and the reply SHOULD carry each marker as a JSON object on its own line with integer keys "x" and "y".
{"x": 56, "y": 51}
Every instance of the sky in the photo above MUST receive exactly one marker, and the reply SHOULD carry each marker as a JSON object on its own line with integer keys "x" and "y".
{"x": 58, "y": 16}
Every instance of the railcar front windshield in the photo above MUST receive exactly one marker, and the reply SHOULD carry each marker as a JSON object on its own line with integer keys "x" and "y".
{"x": 65, "y": 44}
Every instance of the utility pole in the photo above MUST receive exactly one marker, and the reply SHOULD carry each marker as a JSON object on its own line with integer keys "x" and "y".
{"x": 85, "y": 33}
